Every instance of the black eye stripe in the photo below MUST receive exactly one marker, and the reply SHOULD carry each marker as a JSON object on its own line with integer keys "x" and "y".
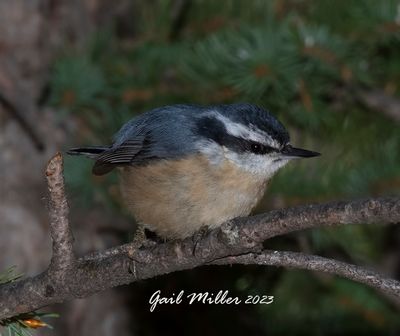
{"x": 258, "y": 148}
{"x": 214, "y": 129}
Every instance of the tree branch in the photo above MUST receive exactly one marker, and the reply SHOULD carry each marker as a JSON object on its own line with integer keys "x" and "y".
{"x": 242, "y": 238}
{"x": 316, "y": 263}
{"x": 381, "y": 101}
{"x": 26, "y": 126}
{"x": 63, "y": 256}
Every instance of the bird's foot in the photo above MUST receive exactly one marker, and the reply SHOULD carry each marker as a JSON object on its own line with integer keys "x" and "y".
{"x": 136, "y": 252}
{"x": 139, "y": 239}
{"x": 199, "y": 235}
{"x": 144, "y": 238}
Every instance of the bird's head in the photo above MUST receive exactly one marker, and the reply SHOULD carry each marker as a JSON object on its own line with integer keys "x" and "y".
{"x": 248, "y": 136}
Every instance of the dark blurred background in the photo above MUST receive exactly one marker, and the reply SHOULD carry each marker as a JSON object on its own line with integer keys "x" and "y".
{"x": 72, "y": 72}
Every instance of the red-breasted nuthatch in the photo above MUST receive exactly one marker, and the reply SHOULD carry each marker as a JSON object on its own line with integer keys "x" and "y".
{"x": 184, "y": 167}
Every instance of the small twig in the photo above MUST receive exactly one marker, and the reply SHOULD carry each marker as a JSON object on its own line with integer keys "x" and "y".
{"x": 316, "y": 263}
{"x": 28, "y": 128}
{"x": 283, "y": 221}
{"x": 381, "y": 101}
{"x": 179, "y": 17}
{"x": 63, "y": 256}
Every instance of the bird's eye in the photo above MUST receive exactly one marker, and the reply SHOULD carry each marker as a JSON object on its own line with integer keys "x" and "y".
{"x": 257, "y": 148}
{"x": 260, "y": 149}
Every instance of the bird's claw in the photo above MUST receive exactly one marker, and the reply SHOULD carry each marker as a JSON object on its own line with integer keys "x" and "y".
{"x": 199, "y": 235}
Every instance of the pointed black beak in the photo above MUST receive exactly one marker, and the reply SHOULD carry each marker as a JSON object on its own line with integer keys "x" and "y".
{"x": 293, "y": 152}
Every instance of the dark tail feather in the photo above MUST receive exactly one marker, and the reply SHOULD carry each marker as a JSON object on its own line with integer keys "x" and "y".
{"x": 93, "y": 152}
{"x": 90, "y": 152}
{"x": 101, "y": 168}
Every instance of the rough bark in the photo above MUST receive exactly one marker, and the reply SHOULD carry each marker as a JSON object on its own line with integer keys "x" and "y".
{"x": 33, "y": 34}
{"x": 238, "y": 241}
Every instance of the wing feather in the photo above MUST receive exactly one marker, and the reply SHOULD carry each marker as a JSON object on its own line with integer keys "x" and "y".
{"x": 124, "y": 154}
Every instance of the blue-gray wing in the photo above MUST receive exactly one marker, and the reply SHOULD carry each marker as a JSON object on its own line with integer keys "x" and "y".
{"x": 130, "y": 152}
{"x": 164, "y": 133}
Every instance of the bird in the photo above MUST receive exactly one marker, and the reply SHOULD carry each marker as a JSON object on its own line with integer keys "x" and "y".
{"x": 185, "y": 167}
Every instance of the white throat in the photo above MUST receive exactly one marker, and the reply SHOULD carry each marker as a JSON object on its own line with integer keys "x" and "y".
{"x": 264, "y": 166}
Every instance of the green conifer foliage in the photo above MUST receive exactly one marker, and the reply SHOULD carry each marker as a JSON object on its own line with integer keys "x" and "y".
{"x": 306, "y": 61}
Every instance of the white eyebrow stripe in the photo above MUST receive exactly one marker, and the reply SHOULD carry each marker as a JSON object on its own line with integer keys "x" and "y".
{"x": 242, "y": 131}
